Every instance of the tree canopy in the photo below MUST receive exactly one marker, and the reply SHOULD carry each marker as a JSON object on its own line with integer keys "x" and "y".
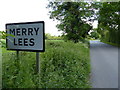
{"x": 75, "y": 18}
{"x": 109, "y": 21}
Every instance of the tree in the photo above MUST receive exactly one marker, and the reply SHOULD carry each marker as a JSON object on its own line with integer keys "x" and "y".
{"x": 109, "y": 22}
{"x": 73, "y": 17}
{"x": 94, "y": 34}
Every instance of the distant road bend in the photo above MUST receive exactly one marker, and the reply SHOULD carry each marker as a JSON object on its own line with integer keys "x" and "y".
{"x": 104, "y": 64}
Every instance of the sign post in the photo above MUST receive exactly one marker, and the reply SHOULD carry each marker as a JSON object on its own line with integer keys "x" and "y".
{"x": 26, "y": 36}
{"x": 37, "y": 62}
{"x": 17, "y": 55}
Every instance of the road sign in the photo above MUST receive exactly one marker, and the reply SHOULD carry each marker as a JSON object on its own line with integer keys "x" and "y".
{"x": 26, "y": 36}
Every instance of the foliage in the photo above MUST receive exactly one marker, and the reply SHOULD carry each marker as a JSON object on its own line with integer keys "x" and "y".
{"x": 61, "y": 67}
{"x": 18, "y": 73}
{"x": 3, "y": 43}
{"x": 64, "y": 67}
{"x": 94, "y": 34}
{"x": 3, "y": 35}
{"x": 74, "y": 17}
{"x": 109, "y": 22}
{"x": 50, "y": 37}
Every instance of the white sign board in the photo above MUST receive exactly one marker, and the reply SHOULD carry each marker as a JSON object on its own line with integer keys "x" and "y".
{"x": 27, "y": 36}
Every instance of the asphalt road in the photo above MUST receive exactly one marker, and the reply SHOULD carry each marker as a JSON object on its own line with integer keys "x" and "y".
{"x": 104, "y": 64}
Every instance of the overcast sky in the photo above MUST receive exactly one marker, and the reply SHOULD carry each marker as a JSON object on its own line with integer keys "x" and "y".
{"x": 13, "y": 11}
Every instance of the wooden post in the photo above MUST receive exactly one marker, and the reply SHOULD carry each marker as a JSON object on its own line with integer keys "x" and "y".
{"x": 37, "y": 63}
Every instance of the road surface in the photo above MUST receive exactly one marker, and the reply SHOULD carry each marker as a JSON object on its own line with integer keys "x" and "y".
{"x": 104, "y": 65}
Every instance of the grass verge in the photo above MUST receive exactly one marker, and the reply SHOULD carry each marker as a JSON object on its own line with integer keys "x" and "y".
{"x": 113, "y": 44}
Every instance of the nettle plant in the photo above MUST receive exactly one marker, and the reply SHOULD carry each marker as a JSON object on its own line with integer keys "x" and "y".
{"x": 3, "y": 35}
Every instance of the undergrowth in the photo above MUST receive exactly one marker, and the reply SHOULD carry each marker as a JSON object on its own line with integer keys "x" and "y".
{"x": 63, "y": 65}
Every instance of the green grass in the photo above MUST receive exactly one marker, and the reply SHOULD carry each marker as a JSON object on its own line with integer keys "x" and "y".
{"x": 110, "y": 43}
{"x": 63, "y": 65}
{"x": 56, "y": 40}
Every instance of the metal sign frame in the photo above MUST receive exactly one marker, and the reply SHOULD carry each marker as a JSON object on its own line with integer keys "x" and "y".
{"x": 43, "y": 49}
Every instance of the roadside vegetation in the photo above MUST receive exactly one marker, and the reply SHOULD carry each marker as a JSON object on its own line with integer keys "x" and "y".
{"x": 63, "y": 65}
{"x": 66, "y": 60}
{"x": 108, "y": 26}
